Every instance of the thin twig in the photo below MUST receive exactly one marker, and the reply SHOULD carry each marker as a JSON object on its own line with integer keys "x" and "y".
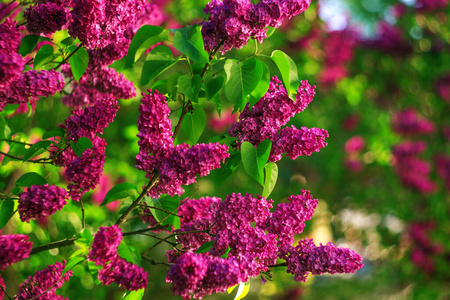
{"x": 17, "y": 142}
{"x": 135, "y": 203}
{"x": 4, "y": 292}
{"x": 161, "y": 209}
{"x": 36, "y": 161}
{"x": 58, "y": 244}
{"x": 10, "y": 13}
{"x": 82, "y": 214}
{"x": 140, "y": 231}
{"x": 7, "y": 5}
{"x": 67, "y": 58}
{"x": 278, "y": 265}
{"x": 154, "y": 262}
{"x": 159, "y": 238}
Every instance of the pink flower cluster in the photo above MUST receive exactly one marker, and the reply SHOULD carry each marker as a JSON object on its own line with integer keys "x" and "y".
{"x": 273, "y": 111}
{"x": 413, "y": 171}
{"x": 200, "y": 274}
{"x": 353, "y": 148}
{"x": 99, "y": 23}
{"x": 431, "y": 5}
{"x": 307, "y": 258}
{"x": 15, "y": 247}
{"x": 91, "y": 120}
{"x": 424, "y": 250}
{"x": 443, "y": 168}
{"x": 176, "y": 165}
{"x": 84, "y": 172}
{"x": 115, "y": 269}
{"x": 43, "y": 284}
{"x": 289, "y": 219}
{"x": 408, "y": 122}
{"x": 234, "y": 22}
{"x": 41, "y": 201}
{"x": 46, "y": 18}
{"x": 243, "y": 230}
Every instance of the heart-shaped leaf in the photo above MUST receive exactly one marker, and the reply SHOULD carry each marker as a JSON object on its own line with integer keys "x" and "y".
{"x": 120, "y": 191}
{"x": 254, "y": 159}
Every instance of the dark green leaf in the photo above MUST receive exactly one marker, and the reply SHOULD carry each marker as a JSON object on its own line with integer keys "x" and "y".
{"x": 36, "y": 149}
{"x": 161, "y": 86}
{"x": 15, "y": 149}
{"x": 254, "y": 160}
{"x": 78, "y": 61}
{"x": 43, "y": 56}
{"x": 54, "y": 132}
{"x": 212, "y": 85}
{"x": 134, "y": 295}
{"x": 82, "y": 144}
{"x": 68, "y": 41}
{"x": 17, "y": 190}
{"x": 288, "y": 70}
{"x": 93, "y": 269}
{"x": 145, "y": 37}
{"x": 6, "y": 210}
{"x": 205, "y": 247}
{"x": 164, "y": 202}
{"x": 194, "y": 123}
{"x": 231, "y": 163}
{"x": 262, "y": 87}
{"x": 4, "y": 129}
{"x": 189, "y": 41}
{"x": 120, "y": 191}
{"x": 242, "y": 79}
{"x": 30, "y": 179}
{"x": 190, "y": 86}
{"x": 125, "y": 252}
{"x": 172, "y": 86}
{"x": 29, "y": 42}
{"x": 158, "y": 61}
{"x": 271, "y": 176}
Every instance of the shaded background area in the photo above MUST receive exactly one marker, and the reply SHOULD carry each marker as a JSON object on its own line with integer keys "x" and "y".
{"x": 382, "y": 71}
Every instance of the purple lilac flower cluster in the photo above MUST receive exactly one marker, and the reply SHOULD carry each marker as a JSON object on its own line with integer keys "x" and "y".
{"x": 91, "y": 120}
{"x": 243, "y": 228}
{"x": 289, "y": 219}
{"x": 199, "y": 274}
{"x": 41, "y": 201}
{"x": 43, "y": 284}
{"x": 408, "y": 122}
{"x": 15, "y": 86}
{"x": 272, "y": 112}
{"x": 234, "y": 22}
{"x": 98, "y": 82}
{"x": 413, "y": 171}
{"x": 15, "y": 247}
{"x": 84, "y": 172}
{"x": 46, "y": 18}
{"x": 115, "y": 269}
{"x": 424, "y": 249}
{"x": 176, "y": 165}
{"x": 99, "y": 23}
{"x": 307, "y": 258}
{"x": 353, "y": 148}
{"x": 195, "y": 216}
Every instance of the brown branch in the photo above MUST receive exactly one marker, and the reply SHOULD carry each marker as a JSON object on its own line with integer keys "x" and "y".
{"x": 161, "y": 209}
{"x": 4, "y": 292}
{"x": 154, "y": 262}
{"x": 36, "y": 161}
{"x": 135, "y": 203}
{"x": 17, "y": 142}
{"x": 183, "y": 114}
{"x": 82, "y": 214}
{"x": 140, "y": 231}
{"x": 58, "y": 244}
{"x": 278, "y": 265}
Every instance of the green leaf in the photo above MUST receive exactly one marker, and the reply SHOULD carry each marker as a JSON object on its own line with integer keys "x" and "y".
{"x": 212, "y": 85}
{"x": 72, "y": 263}
{"x": 4, "y": 129}
{"x": 254, "y": 159}
{"x": 194, "y": 123}
{"x": 82, "y": 144}
{"x": 270, "y": 31}
{"x": 205, "y": 247}
{"x": 120, "y": 191}
{"x": 125, "y": 252}
{"x": 231, "y": 288}
{"x": 271, "y": 172}
{"x": 17, "y": 190}
{"x": 172, "y": 86}
{"x": 262, "y": 87}
{"x": 219, "y": 176}
{"x": 145, "y": 37}
{"x": 78, "y": 61}
{"x": 158, "y": 61}
{"x": 36, "y": 149}
{"x": 43, "y": 56}
{"x": 30, "y": 179}
{"x": 54, "y": 132}
{"x": 242, "y": 79}
{"x": 190, "y": 86}
{"x": 68, "y": 41}
{"x": 93, "y": 269}
{"x": 29, "y": 42}
{"x": 189, "y": 41}
{"x": 288, "y": 70}
{"x": 15, "y": 149}
{"x": 242, "y": 290}
{"x": 164, "y": 202}
{"x": 6, "y": 210}
{"x": 134, "y": 295}
{"x": 86, "y": 234}
{"x": 2, "y": 185}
